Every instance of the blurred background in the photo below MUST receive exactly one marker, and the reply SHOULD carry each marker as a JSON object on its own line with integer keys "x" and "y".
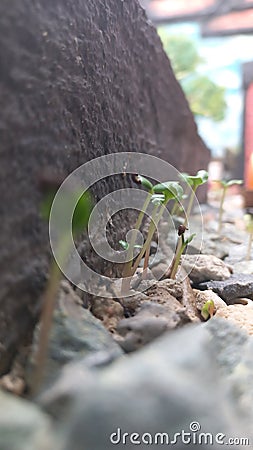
{"x": 210, "y": 45}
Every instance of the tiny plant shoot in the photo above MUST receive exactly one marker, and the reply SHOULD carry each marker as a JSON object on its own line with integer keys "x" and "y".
{"x": 224, "y": 186}
{"x": 181, "y": 246}
{"x": 249, "y": 227}
{"x": 159, "y": 194}
{"x": 162, "y": 194}
{"x": 208, "y": 309}
{"x": 194, "y": 181}
{"x": 127, "y": 270}
{"x": 79, "y": 224}
{"x": 177, "y": 207}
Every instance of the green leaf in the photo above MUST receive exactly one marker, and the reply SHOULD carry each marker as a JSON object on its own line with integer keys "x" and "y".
{"x": 189, "y": 239}
{"x": 229, "y": 183}
{"x": 203, "y": 176}
{"x": 124, "y": 244}
{"x": 232, "y": 182}
{"x": 196, "y": 180}
{"x": 144, "y": 182}
{"x": 208, "y": 309}
{"x": 46, "y": 205}
{"x": 170, "y": 189}
{"x": 186, "y": 178}
{"x": 81, "y": 213}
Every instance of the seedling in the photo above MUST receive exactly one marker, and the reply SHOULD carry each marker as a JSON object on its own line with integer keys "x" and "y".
{"x": 159, "y": 195}
{"x": 208, "y": 309}
{"x": 127, "y": 270}
{"x": 181, "y": 246}
{"x": 225, "y": 185}
{"x": 249, "y": 227}
{"x": 163, "y": 193}
{"x": 125, "y": 245}
{"x": 194, "y": 181}
{"x": 79, "y": 224}
{"x": 177, "y": 207}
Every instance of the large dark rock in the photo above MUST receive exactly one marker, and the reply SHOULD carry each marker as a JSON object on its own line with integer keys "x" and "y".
{"x": 78, "y": 80}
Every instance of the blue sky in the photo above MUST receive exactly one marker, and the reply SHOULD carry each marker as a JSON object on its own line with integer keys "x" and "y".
{"x": 223, "y": 59}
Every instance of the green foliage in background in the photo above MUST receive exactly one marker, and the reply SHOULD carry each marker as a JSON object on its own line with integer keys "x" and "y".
{"x": 205, "y": 97}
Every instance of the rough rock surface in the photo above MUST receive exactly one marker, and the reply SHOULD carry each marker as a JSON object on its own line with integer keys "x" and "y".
{"x": 241, "y": 315}
{"x": 180, "y": 378}
{"x": 155, "y": 308}
{"x": 235, "y": 287}
{"x": 75, "y": 334}
{"x": 108, "y": 310}
{"x": 23, "y": 426}
{"x": 152, "y": 320}
{"x": 78, "y": 80}
{"x": 244, "y": 267}
{"x": 205, "y": 268}
{"x": 228, "y": 342}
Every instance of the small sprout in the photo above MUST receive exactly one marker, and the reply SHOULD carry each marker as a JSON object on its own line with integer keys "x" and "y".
{"x": 125, "y": 245}
{"x": 194, "y": 181}
{"x": 127, "y": 270}
{"x": 82, "y": 213}
{"x": 231, "y": 183}
{"x": 189, "y": 239}
{"x": 170, "y": 189}
{"x": 208, "y": 309}
{"x": 225, "y": 185}
{"x": 181, "y": 246}
{"x": 82, "y": 210}
{"x": 177, "y": 208}
{"x": 161, "y": 194}
{"x": 79, "y": 223}
{"x": 139, "y": 179}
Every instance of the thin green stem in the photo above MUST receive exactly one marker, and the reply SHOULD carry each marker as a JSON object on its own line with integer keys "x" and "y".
{"x": 178, "y": 254}
{"x": 145, "y": 265}
{"x": 248, "y": 256}
{"x": 175, "y": 207}
{"x": 130, "y": 253}
{"x": 221, "y": 208}
{"x": 152, "y": 228}
{"x": 46, "y": 319}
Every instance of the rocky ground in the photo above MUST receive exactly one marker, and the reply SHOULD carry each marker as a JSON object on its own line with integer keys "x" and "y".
{"x": 149, "y": 363}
